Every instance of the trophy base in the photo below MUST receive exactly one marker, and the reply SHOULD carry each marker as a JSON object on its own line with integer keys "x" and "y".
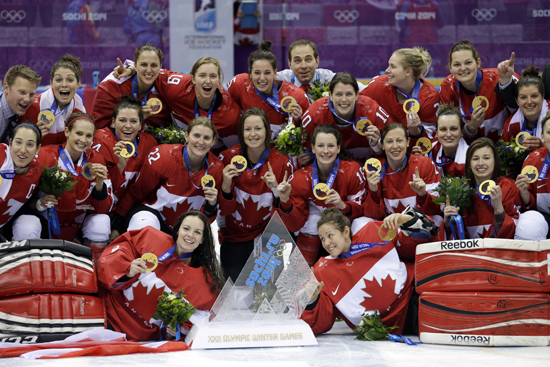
{"x": 224, "y": 335}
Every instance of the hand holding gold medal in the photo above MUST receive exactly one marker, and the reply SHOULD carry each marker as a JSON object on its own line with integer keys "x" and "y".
{"x": 425, "y": 145}
{"x": 128, "y": 150}
{"x": 88, "y": 171}
{"x": 239, "y": 162}
{"x": 411, "y": 105}
{"x": 208, "y": 181}
{"x": 480, "y": 101}
{"x": 151, "y": 261}
{"x": 155, "y": 104}
{"x": 47, "y": 117}
{"x": 287, "y": 103}
{"x": 373, "y": 164}
{"x": 320, "y": 191}
{"x": 362, "y": 125}
{"x": 531, "y": 172}
{"x": 486, "y": 186}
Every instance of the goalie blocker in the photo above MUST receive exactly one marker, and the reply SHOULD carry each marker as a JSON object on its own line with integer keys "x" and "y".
{"x": 492, "y": 265}
{"x": 485, "y": 319}
{"x": 43, "y": 266}
{"x": 48, "y": 317}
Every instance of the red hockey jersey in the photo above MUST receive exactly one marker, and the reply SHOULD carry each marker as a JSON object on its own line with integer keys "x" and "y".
{"x": 104, "y": 141}
{"x": 452, "y": 167}
{"x": 496, "y": 114}
{"x": 15, "y": 193}
{"x": 249, "y": 212}
{"x": 395, "y": 194}
{"x": 319, "y": 114}
{"x": 382, "y": 92}
{"x": 539, "y": 191}
{"x": 130, "y": 305}
{"x": 45, "y": 101}
{"x": 242, "y": 91}
{"x": 164, "y": 184}
{"x": 514, "y": 123}
{"x": 74, "y": 204}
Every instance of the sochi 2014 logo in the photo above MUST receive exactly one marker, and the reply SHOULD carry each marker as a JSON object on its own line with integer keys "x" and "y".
{"x": 344, "y": 16}
{"x": 484, "y": 14}
{"x": 13, "y": 16}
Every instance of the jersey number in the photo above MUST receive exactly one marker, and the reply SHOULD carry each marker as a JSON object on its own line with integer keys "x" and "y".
{"x": 174, "y": 79}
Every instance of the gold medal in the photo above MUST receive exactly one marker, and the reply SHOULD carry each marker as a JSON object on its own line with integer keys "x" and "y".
{"x": 320, "y": 191}
{"x": 480, "y": 101}
{"x": 362, "y": 125}
{"x": 373, "y": 164}
{"x": 287, "y": 103}
{"x": 151, "y": 261}
{"x": 425, "y": 145}
{"x": 128, "y": 150}
{"x": 415, "y": 106}
{"x": 520, "y": 138}
{"x": 155, "y": 104}
{"x": 486, "y": 186}
{"x": 531, "y": 172}
{"x": 88, "y": 172}
{"x": 386, "y": 234}
{"x": 46, "y": 117}
{"x": 239, "y": 162}
{"x": 0, "y": 180}
{"x": 208, "y": 181}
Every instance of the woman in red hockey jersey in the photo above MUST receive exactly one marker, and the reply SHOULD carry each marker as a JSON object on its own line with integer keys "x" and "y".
{"x": 246, "y": 201}
{"x": 362, "y": 273}
{"x": 19, "y": 177}
{"x": 493, "y": 213}
{"x": 469, "y": 81}
{"x": 148, "y": 64}
{"x": 61, "y": 99}
{"x": 359, "y": 119}
{"x": 404, "y": 81}
{"x": 259, "y": 88}
{"x": 331, "y": 181}
{"x": 186, "y": 261}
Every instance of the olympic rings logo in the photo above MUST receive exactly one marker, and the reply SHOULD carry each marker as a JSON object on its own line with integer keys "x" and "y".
{"x": 367, "y": 63}
{"x": 346, "y": 16}
{"x": 40, "y": 64}
{"x": 13, "y": 16}
{"x": 484, "y": 14}
{"x": 281, "y": 248}
{"x": 154, "y": 16}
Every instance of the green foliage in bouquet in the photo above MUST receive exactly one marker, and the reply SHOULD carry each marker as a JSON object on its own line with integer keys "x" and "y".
{"x": 511, "y": 155}
{"x": 167, "y": 135}
{"x": 173, "y": 309}
{"x": 318, "y": 90}
{"x": 290, "y": 140}
{"x": 459, "y": 191}
{"x": 372, "y": 328}
{"x": 54, "y": 181}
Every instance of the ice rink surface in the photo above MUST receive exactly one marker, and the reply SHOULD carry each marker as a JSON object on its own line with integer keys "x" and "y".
{"x": 337, "y": 348}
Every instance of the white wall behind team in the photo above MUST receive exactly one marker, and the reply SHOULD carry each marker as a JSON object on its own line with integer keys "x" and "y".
{"x": 201, "y": 28}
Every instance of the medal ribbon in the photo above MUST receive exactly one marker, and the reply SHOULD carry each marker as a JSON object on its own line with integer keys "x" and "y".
{"x": 530, "y": 131}
{"x": 135, "y": 144}
{"x": 479, "y": 78}
{"x": 331, "y": 176}
{"x": 261, "y": 162}
{"x": 53, "y": 222}
{"x": 415, "y": 92}
{"x": 402, "y": 339}
{"x": 69, "y": 163}
{"x": 459, "y": 225}
{"x": 188, "y": 164}
{"x": 481, "y": 196}
{"x": 357, "y": 248}
{"x": 170, "y": 252}
{"x": 544, "y": 169}
{"x": 135, "y": 90}
{"x": 383, "y": 171}
{"x": 210, "y": 110}
{"x": 331, "y": 107}
{"x": 272, "y": 101}
{"x": 54, "y": 106}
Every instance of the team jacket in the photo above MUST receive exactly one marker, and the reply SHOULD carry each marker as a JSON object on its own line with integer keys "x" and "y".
{"x": 164, "y": 184}
{"x": 383, "y": 93}
{"x": 45, "y": 101}
{"x": 514, "y": 124}
{"x": 108, "y": 95}
{"x": 74, "y": 204}
{"x": 104, "y": 141}
{"x": 242, "y": 91}
{"x": 131, "y": 304}
{"x": 15, "y": 193}
{"x": 452, "y": 167}
{"x": 320, "y": 114}
{"x": 249, "y": 210}
{"x": 496, "y": 114}
{"x": 303, "y": 210}
{"x": 395, "y": 194}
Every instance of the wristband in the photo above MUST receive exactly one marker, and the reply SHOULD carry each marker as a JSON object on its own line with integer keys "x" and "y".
{"x": 274, "y": 191}
{"x": 39, "y": 206}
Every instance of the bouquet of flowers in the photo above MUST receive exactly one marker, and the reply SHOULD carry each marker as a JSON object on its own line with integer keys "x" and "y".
{"x": 459, "y": 191}
{"x": 371, "y": 328}
{"x": 290, "y": 140}
{"x": 319, "y": 90}
{"x": 173, "y": 309}
{"x": 54, "y": 181}
{"x": 167, "y": 135}
{"x": 511, "y": 155}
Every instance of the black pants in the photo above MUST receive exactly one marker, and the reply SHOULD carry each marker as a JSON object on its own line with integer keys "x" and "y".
{"x": 233, "y": 256}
